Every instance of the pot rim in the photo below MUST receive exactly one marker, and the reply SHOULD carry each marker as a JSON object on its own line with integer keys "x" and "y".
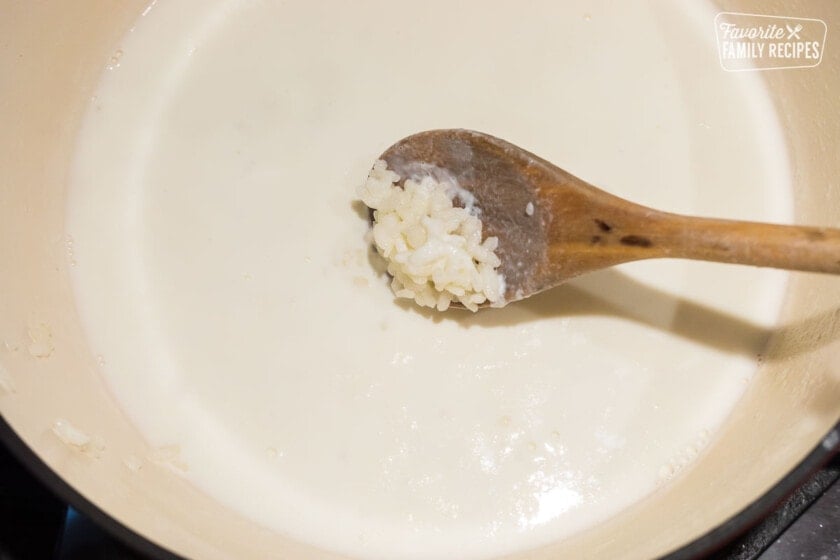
{"x": 713, "y": 540}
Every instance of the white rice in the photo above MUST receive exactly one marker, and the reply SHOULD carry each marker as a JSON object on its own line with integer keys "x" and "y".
{"x": 71, "y": 435}
{"x": 529, "y": 209}
{"x": 434, "y": 249}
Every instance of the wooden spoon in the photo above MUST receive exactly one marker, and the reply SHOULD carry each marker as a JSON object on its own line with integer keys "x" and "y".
{"x": 553, "y": 226}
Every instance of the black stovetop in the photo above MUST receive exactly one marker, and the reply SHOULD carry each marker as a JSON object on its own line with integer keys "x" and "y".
{"x": 36, "y": 525}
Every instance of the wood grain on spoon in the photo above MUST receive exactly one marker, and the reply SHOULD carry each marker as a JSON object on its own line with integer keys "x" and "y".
{"x": 576, "y": 227}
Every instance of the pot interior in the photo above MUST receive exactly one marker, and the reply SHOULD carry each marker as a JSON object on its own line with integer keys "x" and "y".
{"x": 52, "y": 58}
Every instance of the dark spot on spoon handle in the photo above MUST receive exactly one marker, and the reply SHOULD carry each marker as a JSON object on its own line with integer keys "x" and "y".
{"x": 636, "y": 241}
{"x": 603, "y": 226}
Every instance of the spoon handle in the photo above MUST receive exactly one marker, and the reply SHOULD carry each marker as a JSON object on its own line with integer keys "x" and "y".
{"x": 811, "y": 249}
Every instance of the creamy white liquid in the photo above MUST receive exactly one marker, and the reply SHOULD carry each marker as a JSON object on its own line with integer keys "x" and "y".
{"x": 222, "y": 275}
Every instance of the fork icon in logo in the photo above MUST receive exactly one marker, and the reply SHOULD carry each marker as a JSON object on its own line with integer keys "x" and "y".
{"x": 793, "y": 32}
